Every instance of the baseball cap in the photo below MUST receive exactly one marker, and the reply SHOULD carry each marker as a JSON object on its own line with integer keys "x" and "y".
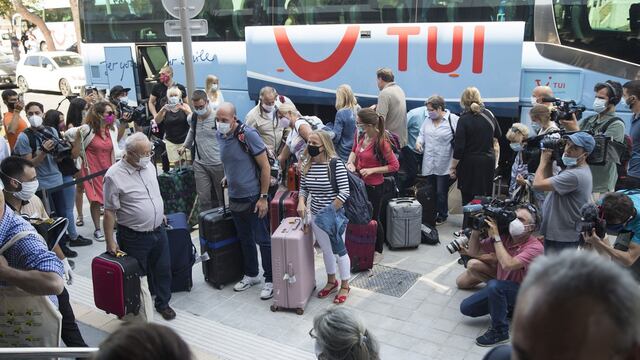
{"x": 583, "y": 139}
{"x": 117, "y": 90}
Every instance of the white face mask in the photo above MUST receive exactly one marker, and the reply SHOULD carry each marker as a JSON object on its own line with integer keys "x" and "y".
{"x": 214, "y": 87}
{"x": 29, "y": 189}
{"x": 268, "y": 108}
{"x": 223, "y": 128}
{"x": 173, "y": 100}
{"x": 599, "y": 105}
{"x": 124, "y": 100}
{"x": 534, "y": 100}
{"x": 144, "y": 161}
{"x": 516, "y": 228}
{"x": 201, "y": 112}
{"x": 35, "y": 120}
{"x": 283, "y": 122}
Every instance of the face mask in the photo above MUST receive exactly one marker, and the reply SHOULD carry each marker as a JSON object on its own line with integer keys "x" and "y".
{"x": 35, "y": 120}
{"x": 517, "y": 147}
{"x": 534, "y": 100}
{"x": 109, "y": 119}
{"x": 433, "y": 115}
{"x": 144, "y": 161}
{"x": 200, "y": 112}
{"x": 223, "y": 128}
{"x": 599, "y": 105}
{"x": 313, "y": 150}
{"x": 28, "y": 189}
{"x": 62, "y": 126}
{"x": 268, "y": 108}
{"x": 516, "y": 228}
{"x": 164, "y": 78}
{"x": 283, "y": 122}
{"x": 173, "y": 100}
{"x": 124, "y": 100}
{"x": 535, "y": 126}
{"x": 11, "y": 106}
{"x": 629, "y": 102}
{"x": 569, "y": 161}
{"x": 214, "y": 87}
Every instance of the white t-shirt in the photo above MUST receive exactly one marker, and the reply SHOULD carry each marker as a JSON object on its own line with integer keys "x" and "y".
{"x": 295, "y": 142}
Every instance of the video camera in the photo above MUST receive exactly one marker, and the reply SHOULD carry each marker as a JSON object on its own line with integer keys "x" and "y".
{"x": 62, "y": 148}
{"x": 535, "y": 145}
{"x": 564, "y": 109}
{"x": 590, "y": 219}
{"x": 138, "y": 113}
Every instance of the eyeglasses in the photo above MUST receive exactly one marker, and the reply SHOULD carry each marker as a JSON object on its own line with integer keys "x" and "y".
{"x": 149, "y": 154}
{"x": 312, "y": 334}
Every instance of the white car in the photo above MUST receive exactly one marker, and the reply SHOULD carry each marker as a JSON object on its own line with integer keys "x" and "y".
{"x": 51, "y": 70}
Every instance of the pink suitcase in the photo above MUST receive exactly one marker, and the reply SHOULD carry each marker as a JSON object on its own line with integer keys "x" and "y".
{"x": 294, "y": 276}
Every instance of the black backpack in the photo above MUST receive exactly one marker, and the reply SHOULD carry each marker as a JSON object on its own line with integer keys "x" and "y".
{"x": 357, "y": 208}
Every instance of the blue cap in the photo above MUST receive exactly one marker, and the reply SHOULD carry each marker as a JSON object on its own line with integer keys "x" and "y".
{"x": 584, "y": 140}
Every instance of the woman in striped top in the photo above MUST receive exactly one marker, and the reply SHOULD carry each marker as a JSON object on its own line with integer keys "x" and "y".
{"x": 316, "y": 184}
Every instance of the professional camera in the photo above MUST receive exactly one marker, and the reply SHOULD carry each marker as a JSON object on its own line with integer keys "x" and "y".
{"x": 590, "y": 220}
{"x": 138, "y": 113}
{"x": 61, "y": 149}
{"x": 564, "y": 109}
{"x": 457, "y": 244}
{"x": 501, "y": 211}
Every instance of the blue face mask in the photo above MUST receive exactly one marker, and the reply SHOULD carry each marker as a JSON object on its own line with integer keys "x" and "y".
{"x": 569, "y": 161}
{"x": 517, "y": 147}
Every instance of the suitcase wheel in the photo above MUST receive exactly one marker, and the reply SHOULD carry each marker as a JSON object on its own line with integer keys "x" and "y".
{"x": 220, "y": 287}
{"x": 299, "y": 311}
{"x": 274, "y": 308}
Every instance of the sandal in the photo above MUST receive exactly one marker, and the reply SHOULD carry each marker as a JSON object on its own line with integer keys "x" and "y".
{"x": 339, "y": 299}
{"x": 326, "y": 292}
{"x": 79, "y": 222}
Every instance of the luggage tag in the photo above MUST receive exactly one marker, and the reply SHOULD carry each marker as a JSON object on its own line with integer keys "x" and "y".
{"x": 202, "y": 258}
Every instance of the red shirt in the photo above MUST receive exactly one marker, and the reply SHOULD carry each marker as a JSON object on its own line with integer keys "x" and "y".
{"x": 525, "y": 252}
{"x": 366, "y": 159}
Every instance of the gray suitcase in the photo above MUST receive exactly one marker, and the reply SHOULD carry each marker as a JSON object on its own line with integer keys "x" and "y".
{"x": 404, "y": 221}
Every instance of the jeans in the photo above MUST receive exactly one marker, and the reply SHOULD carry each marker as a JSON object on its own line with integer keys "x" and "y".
{"x": 374, "y": 193}
{"x": 495, "y": 299}
{"x": 553, "y": 247}
{"x": 441, "y": 184}
{"x": 70, "y": 332}
{"x": 69, "y": 195}
{"x": 151, "y": 249}
{"x": 252, "y": 231}
{"x": 208, "y": 185}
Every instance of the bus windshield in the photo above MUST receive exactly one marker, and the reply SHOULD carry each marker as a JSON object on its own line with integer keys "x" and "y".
{"x": 607, "y": 27}
{"x": 108, "y": 21}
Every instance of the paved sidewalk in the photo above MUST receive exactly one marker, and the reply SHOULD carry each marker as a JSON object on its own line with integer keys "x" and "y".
{"x": 425, "y": 323}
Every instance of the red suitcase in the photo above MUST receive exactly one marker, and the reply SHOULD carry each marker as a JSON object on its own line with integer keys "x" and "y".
{"x": 360, "y": 241}
{"x": 116, "y": 284}
{"x": 293, "y": 177}
{"x": 283, "y": 205}
{"x": 294, "y": 272}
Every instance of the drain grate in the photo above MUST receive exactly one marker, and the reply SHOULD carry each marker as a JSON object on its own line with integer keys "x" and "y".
{"x": 386, "y": 280}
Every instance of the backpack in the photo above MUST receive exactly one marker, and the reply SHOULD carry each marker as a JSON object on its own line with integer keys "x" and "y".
{"x": 625, "y": 156}
{"x": 605, "y": 144}
{"x": 276, "y": 174}
{"x": 357, "y": 208}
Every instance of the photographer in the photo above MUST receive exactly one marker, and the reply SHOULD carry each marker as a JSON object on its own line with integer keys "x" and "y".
{"x": 568, "y": 191}
{"x": 607, "y": 96}
{"x": 620, "y": 212}
{"x": 118, "y": 97}
{"x": 514, "y": 253}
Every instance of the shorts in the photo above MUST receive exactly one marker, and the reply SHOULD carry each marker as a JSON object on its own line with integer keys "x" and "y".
{"x": 172, "y": 152}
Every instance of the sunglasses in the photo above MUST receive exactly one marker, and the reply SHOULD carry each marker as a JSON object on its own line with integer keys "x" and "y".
{"x": 110, "y": 113}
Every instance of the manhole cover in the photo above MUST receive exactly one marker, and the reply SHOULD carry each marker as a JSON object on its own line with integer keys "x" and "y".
{"x": 386, "y": 280}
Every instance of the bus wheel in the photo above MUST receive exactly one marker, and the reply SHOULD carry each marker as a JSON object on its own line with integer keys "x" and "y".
{"x": 43, "y": 46}
{"x": 22, "y": 84}
{"x": 65, "y": 88}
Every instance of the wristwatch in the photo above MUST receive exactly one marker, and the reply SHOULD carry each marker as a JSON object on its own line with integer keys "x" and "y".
{"x": 497, "y": 239}
{"x": 264, "y": 196}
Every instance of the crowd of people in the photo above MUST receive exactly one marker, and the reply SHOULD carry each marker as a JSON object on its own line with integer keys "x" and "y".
{"x": 553, "y": 183}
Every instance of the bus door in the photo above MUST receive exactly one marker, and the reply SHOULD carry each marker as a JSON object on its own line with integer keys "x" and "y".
{"x": 151, "y": 58}
{"x": 121, "y": 68}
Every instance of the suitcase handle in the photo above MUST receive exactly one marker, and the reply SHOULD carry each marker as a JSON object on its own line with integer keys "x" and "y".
{"x": 408, "y": 200}
{"x": 299, "y": 223}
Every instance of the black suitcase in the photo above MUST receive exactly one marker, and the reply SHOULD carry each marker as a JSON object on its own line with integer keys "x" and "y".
{"x": 426, "y": 195}
{"x": 183, "y": 252}
{"x": 219, "y": 239}
{"x": 389, "y": 191}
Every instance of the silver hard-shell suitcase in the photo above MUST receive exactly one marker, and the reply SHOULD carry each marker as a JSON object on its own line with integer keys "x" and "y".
{"x": 404, "y": 221}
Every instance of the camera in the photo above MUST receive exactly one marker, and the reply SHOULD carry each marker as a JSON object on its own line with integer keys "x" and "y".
{"x": 590, "y": 220}
{"x": 564, "y": 109}
{"x": 501, "y": 211}
{"x": 457, "y": 244}
{"x": 138, "y": 113}
{"x": 61, "y": 149}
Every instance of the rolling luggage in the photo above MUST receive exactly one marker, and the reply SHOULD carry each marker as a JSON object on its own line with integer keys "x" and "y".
{"x": 404, "y": 221}
{"x": 116, "y": 283}
{"x": 360, "y": 241}
{"x": 426, "y": 195}
{"x": 183, "y": 252}
{"x": 293, "y": 178}
{"x": 389, "y": 191}
{"x": 294, "y": 275}
{"x": 178, "y": 190}
{"x": 218, "y": 238}
{"x": 283, "y": 205}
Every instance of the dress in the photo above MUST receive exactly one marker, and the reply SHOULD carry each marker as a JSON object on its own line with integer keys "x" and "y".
{"x": 98, "y": 157}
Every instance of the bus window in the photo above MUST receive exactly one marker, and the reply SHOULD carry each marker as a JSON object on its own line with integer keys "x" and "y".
{"x": 297, "y": 12}
{"x": 476, "y": 11}
{"x": 607, "y": 27}
{"x": 58, "y": 15}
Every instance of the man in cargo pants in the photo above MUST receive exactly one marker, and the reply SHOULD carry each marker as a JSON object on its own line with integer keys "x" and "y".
{"x": 247, "y": 173}
{"x": 132, "y": 193}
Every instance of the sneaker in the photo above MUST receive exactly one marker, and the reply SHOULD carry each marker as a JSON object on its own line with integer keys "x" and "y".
{"x": 377, "y": 258}
{"x": 167, "y": 313}
{"x": 72, "y": 264}
{"x": 492, "y": 337}
{"x": 98, "y": 235}
{"x": 68, "y": 252}
{"x": 440, "y": 221}
{"x": 80, "y": 241}
{"x": 246, "y": 283}
{"x": 267, "y": 291}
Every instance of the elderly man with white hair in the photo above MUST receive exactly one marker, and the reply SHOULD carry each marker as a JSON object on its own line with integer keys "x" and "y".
{"x": 132, "y": 195}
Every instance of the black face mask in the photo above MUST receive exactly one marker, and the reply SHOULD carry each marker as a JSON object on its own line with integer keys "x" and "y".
{"x": 11, "y": 105}
{"x": 313, "y": 150}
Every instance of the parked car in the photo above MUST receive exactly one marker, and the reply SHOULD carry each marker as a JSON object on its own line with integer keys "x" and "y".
{"x": 7, "y": 69}
{"x": 51, "y": 70}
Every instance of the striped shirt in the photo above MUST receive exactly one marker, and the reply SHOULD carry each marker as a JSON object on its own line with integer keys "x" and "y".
{"x": 317, "y": 184}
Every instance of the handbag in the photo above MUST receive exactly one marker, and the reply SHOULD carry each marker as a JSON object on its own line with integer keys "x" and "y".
{"x": 27, "y": 320}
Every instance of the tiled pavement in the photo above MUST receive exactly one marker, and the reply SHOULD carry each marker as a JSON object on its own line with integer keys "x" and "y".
{"x": 425, "y": 323}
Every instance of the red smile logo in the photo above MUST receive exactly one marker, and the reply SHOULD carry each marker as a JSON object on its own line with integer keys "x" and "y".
{"x": 320, "y": 70}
